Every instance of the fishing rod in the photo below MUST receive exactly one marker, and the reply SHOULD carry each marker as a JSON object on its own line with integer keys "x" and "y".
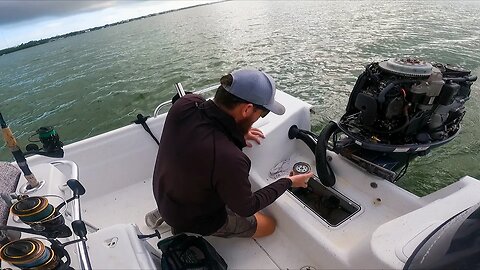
{"x": 18, "y": 154}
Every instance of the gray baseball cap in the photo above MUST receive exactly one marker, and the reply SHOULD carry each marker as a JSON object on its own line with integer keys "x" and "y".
{"x": 256, "y": 87}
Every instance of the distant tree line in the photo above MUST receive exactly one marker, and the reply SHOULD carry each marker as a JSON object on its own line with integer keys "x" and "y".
{"x": 46, "y": 40}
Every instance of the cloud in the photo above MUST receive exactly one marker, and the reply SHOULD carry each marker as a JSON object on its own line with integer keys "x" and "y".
{"x": 69, "y": 16}
{"x": 16, "y": 11}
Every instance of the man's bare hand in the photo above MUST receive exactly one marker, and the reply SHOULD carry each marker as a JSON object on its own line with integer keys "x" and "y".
{"x": 254, "y": 134}
{"x": 301, "y": 180}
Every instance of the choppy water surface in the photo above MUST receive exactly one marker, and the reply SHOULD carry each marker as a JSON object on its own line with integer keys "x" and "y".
{"x": 98, "y": 81}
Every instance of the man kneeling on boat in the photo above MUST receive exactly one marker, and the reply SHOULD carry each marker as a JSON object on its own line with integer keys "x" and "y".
{"x": 200, "y": 181}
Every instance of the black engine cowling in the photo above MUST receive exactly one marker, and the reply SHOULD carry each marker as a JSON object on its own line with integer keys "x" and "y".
{"x": 398, "y": 109}
{"x": 407, "y": 101}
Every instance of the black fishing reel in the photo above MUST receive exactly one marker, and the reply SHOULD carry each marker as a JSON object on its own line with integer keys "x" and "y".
{"x": 31, "y": 253}
{"x": 51, "y": 144}
{"x": 41, "y": 216}
{"x": 45, "y": 220}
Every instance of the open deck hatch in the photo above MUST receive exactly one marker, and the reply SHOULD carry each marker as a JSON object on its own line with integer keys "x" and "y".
{"x": 329, "y": 204}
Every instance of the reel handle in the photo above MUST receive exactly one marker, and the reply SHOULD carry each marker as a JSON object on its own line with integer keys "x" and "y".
{"x": 76, "y": 187}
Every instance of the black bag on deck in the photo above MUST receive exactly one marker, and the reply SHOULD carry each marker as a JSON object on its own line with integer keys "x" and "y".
{"x": 189, "y": 252}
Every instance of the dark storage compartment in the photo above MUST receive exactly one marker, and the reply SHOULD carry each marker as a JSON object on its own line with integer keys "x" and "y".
{"x": 327, "y": 203}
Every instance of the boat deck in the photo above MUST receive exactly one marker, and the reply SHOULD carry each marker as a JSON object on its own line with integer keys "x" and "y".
{"x": 137, "y": 199}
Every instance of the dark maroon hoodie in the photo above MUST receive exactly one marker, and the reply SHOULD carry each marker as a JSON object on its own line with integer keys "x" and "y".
{"x": 200, "y": 169}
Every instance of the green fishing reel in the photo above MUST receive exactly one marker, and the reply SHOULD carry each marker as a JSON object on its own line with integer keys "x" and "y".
{"x": 51, "y": 144}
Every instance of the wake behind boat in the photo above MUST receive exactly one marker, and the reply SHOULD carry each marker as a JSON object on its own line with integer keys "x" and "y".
{"x": 352, "y": 215}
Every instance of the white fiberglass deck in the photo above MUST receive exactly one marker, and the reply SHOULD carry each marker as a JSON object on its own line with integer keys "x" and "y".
{"x": 117, "y": 208}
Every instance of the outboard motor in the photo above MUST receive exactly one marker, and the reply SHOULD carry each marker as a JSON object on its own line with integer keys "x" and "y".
{"x": 398, "y": 109}
{"x": 407, "y": 102}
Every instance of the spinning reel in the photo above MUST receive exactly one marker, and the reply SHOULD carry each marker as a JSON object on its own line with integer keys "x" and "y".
{"x": 41, "y": 216}
{"x": 31, "y": 253}
{"x": 51, "y": 144}
{"x": 45, "y": 220}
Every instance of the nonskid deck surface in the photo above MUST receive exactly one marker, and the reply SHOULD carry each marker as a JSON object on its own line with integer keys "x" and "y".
{"x": 130, "y": 204}
{"x": 126, "y": 205}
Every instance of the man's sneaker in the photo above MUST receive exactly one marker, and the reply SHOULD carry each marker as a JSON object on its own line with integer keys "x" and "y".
{"x": 153, "y": 219}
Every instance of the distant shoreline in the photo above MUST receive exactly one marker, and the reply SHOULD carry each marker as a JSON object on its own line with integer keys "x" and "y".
{"x": 47, "y": 40}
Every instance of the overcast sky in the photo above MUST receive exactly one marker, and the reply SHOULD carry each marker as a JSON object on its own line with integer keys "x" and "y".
{"x": 23, "y": 21}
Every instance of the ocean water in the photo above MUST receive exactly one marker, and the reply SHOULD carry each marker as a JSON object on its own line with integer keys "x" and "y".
{"x": 98, "y": 81}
